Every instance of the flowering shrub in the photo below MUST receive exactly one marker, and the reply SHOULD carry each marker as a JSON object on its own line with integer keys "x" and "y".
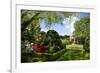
{"x": 39, "y": 48}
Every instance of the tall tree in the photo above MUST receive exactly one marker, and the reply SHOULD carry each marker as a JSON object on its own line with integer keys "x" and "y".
{"x": 82, "y": 32}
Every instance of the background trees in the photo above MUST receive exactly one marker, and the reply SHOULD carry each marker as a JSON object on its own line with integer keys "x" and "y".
{"x": 82, "y": 32}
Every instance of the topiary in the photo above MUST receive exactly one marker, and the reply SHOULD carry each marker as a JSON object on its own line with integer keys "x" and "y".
{"x": 53, "y": 41}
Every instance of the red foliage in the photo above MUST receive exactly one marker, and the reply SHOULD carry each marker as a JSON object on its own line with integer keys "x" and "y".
{"x": 39, "y": 48}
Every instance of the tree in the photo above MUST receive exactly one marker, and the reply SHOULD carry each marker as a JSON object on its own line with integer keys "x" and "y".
{"x": 82, "y": 32}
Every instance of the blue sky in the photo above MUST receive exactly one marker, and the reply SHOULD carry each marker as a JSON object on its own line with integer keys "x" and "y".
{"x": 68, "y": 26}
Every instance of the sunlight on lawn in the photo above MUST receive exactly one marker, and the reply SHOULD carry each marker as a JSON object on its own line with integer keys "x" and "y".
{"x": 75, "y": 47}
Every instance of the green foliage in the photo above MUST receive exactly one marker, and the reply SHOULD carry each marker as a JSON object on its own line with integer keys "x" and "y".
{"x": 82, "y": 27}
{"x": 59, "y": 47}
{"x": 71, "y": 55}
{"x": 82, "y": 32}
{"x": 65, "y": 40}
{"x": 53, "y": 41}
{"x": 74, "y": 52}
{"x": 26, "y": 57}
{"x": 50, "y": 17}
{"x": 30, "y": 24}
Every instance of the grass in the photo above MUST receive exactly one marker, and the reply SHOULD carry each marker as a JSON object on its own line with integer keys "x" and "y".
{"x": 74, "y": 52}
{"x": 74, "y": 47}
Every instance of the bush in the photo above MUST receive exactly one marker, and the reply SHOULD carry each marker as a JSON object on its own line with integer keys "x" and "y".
{"x": 53, "y": 41}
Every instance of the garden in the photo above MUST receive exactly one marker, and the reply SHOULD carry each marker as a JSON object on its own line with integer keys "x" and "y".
{"x": 54, "y": 36}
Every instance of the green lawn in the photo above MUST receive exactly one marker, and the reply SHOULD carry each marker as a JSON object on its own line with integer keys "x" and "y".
{"x": 75, "y": 47}
{"x": 74, "y": 52}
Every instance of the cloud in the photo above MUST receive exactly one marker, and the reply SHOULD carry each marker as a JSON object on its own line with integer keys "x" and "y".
{"x": 73, "y": 20}
{"x": 66, "y": 21}
{"x": 45, "y": 30}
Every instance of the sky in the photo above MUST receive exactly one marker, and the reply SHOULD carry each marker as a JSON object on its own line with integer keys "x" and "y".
{"x": 68, "y": 27}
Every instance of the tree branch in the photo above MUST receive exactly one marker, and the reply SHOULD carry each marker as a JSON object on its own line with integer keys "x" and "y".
{"x": 25, "y": 24}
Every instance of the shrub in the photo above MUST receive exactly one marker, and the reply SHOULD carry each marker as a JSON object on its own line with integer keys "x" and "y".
{"x": 53, "y": 41}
